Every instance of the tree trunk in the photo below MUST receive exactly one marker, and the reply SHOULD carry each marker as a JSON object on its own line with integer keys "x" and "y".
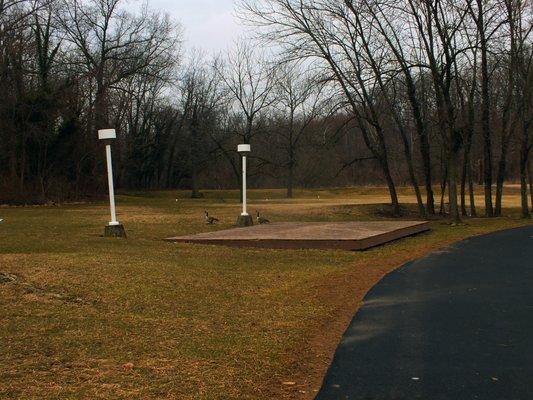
{"x": 195, "y": 148}
{"x": 464, "y": 176}
{"x": 452, "y": 188}
{"x": 379, "y": 150}
{"x": 426, "y": 164}
{"x": 384, "y": 163}
{"x": 290, "y": 181}
{"x": 480, "y": 169}
{"x": 487, "y": 175}
{"x": 523, "y": 183}
{"x": 424, "y": 143}
{"x": 100, "y": 108}
{"x": 500, "y": 180}
{"x": 485, "y": 127}
{"x": 414, "y": 183}
{"x": 467, "y": 158}
{"x": 392, "y": 189}
{"x": 530, "y": 176}
{"x": 473, "y": 211}
{"x": 479, "y": 18}
{"x": 290, "y": 176}
{"x": 443, "y": 185}
{"x": 195, "y": 190}
{"x": 412, "y": 175}
{"x": 524, "y": 155}
{"x": 22, "y": 164}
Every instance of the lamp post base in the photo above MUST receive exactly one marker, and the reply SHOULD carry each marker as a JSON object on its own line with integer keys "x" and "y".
{"x": 115, "y": 231}
{"x": 245, "y": 220}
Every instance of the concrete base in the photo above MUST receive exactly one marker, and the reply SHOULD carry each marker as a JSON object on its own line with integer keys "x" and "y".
{"x": 115, "y": 231}
{"x": 245, "y": 220}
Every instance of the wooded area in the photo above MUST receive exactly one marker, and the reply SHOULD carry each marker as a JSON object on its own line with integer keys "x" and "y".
{"x": 429, "y": 93}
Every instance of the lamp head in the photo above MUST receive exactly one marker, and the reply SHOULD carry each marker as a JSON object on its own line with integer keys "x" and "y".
{"x": 244, "y": 148}
{"x": 105, "y": 134}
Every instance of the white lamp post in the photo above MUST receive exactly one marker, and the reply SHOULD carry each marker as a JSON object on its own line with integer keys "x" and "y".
{"x": 114, "y": 228}
{"x": 244, "y": 219}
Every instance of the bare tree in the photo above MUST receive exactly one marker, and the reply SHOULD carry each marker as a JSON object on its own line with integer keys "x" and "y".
{"x": 114, "y": 45}
{"x": 438, "y": 25}
{"x": 301, "y": 100}
{"x": 203, "y": 103}
{"x": 517, "y": 106}
{"x": 390, "y": 28}
{"x": 421, "y": 89}
{"x": 325, "y": 32}
{"x": 250, "y": 81}
{"x": 385, "y": 70}
{"x": 478, "y": 11}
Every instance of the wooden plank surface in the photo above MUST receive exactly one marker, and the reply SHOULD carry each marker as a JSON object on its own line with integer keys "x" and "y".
{"x": 308, "y": 235}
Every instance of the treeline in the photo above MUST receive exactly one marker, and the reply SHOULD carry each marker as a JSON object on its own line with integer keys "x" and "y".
{"x": 68, "y": 68}
{"x": 418, "y": 92}
{"x": 453, "y": 72}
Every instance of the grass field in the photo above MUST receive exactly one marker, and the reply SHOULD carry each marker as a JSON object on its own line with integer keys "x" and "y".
{"x": 87, "y": 317}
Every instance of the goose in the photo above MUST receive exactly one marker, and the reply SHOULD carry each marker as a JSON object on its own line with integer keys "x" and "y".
{"x": 210, "y": 220}
{"x": 261, "y": 220}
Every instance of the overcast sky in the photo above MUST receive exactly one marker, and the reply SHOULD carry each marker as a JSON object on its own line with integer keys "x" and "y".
{"x": 208, "y": 24}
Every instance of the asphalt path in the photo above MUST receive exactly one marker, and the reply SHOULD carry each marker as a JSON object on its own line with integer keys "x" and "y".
{"x": 457, "y": 324}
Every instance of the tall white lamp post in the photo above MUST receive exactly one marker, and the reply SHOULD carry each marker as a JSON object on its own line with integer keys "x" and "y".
{"x": 114, "y": 228}
{"x": 244, "y": 219}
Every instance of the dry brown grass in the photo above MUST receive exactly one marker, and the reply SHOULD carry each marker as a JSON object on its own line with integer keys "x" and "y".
{"x": 196, "y": 322}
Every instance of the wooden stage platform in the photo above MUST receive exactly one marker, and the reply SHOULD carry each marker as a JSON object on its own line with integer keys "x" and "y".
{"x": 310, "y": 235}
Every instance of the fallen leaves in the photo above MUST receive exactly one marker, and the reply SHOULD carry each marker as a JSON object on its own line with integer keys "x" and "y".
{"x": 128, "y": 367}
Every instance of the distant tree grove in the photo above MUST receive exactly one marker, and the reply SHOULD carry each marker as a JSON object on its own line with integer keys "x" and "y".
{"x": 434, "y": 94}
